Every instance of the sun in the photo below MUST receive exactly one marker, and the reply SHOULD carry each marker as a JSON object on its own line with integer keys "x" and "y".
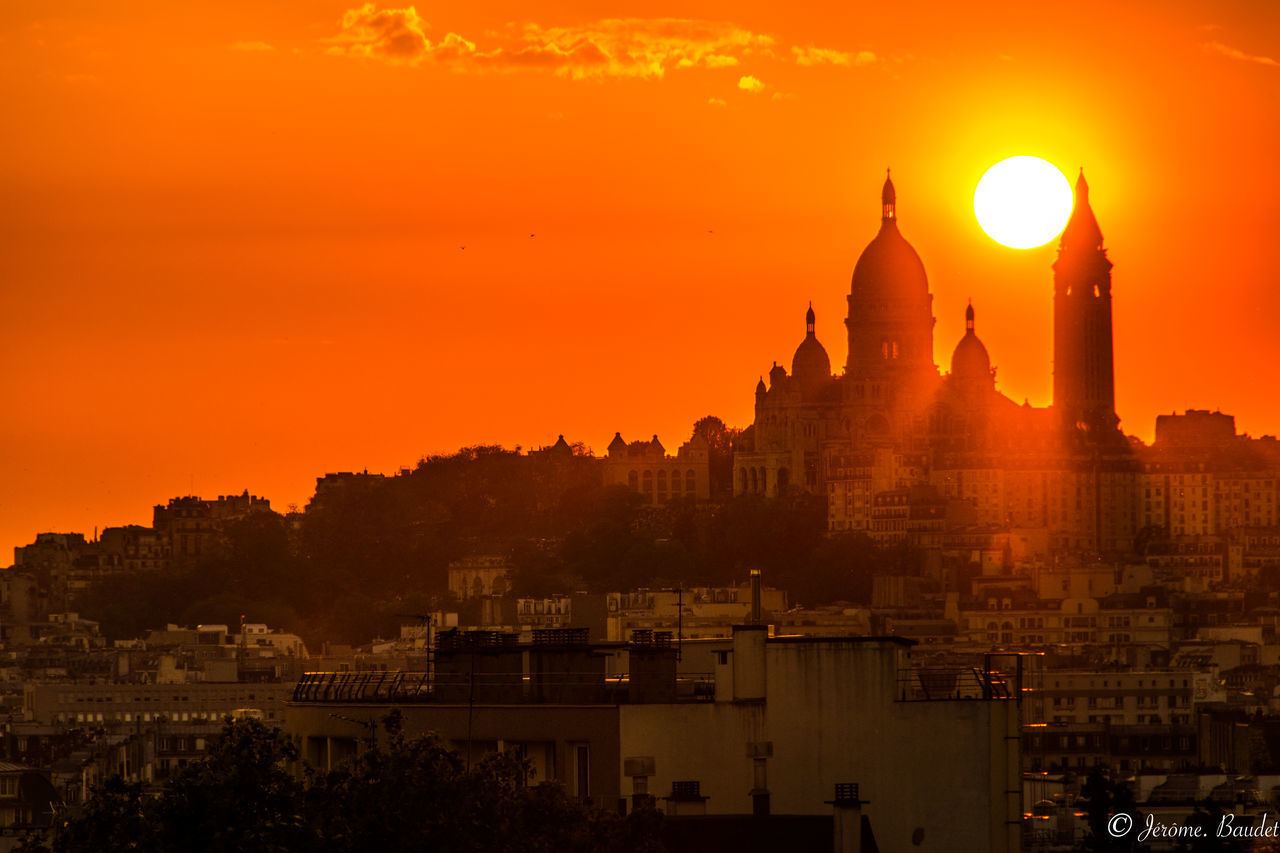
{"x": 1023, "y": 202}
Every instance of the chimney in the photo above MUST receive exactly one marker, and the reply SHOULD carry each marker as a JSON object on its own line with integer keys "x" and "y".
{"x": 760, "y": 752}
{"x": 749, "y": 663}
{"x": 749, "y": 651}
{"x": 846, "y": 818}
{"x": 757, "y": 615}
{"x": 639, "y": 769}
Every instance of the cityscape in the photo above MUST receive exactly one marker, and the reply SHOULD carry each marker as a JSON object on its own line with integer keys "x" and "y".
{"x": 990, "y": 569}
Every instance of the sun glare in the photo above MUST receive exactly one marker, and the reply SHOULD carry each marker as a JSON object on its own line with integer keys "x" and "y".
{"x": 1023, "y": 202}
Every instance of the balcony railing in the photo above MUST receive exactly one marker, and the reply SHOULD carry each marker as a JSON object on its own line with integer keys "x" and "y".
{"x": 420, "y": 687}
{"x": 939, "y": 683}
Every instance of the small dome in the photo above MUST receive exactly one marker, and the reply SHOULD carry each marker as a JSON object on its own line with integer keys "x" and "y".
{"x": 810, "y": 365}
{"x": 970, "y": 361}
{"x": 811, "y": 361}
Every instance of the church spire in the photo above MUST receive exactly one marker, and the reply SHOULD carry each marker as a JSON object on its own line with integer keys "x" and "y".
{"x": 809, "y": 322}
{"x": 1082, "y": 231}
{"x": 888, "y": 199}
{"x": 968, "y": 319}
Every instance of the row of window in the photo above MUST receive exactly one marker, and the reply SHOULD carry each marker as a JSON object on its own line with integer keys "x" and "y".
{"x": 147, "y": 716}
{"x": 634, "y": 479}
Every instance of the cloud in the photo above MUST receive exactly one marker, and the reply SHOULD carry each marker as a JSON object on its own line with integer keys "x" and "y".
{"x": 811, "y": 56}
{"x": 614, "y": 47}
{"x": 716, "y": 60}
{"x": 394, "y": 35}
{"x": 252, "y": 46}
{"x": 644, "y": 48}
{"x": 717, "y": 102}
{"x": 1234, "y": 53}
{"x": 629, "y": 47}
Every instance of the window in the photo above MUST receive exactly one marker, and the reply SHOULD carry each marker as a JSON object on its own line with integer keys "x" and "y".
{"x": 582, "y": 771}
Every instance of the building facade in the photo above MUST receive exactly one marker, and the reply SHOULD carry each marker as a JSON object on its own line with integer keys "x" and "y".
{"x": 892, "y": 421}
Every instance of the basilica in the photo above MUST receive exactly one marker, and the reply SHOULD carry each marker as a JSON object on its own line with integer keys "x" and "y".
{"x": 895, "y": 445}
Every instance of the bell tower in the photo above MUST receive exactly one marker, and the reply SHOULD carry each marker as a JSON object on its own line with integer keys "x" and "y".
{"x": 1083, "y": 363}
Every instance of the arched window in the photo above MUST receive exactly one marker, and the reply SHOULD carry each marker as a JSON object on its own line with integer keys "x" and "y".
{"x": 742, "y": 480}
{"x": 633, "y": 480}
{"x": 662, "y": 481}
{"x": 784, "y": 478}
{"x": 648, "y": 482}
{"x": 675, "y": 482}
{"x": 764, "y": 481}
{"x": 755, "y": 480}
{"x": 884, "y": 349}
{"x": 690, "y": 481}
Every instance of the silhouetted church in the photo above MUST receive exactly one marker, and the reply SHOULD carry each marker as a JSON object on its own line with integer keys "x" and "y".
{"x": 892, "y": 435}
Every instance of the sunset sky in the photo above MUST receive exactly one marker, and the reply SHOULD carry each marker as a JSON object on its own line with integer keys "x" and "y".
{"x": 231, "y": 238}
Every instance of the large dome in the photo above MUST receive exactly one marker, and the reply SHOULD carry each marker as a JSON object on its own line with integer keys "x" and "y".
{"x": 889, "y": 266}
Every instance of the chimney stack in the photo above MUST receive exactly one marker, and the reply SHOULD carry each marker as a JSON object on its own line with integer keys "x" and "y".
{"x": 757, "y": 610}
{"x": 847, "y": 818}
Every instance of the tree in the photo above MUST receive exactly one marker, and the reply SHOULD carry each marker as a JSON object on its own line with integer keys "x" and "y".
{"x": 399, "y": 794}
{"x": 112, "y": 819}
{"x": 1104, "y": 801}
{"x": 417, "y": 795}
{"x": 239, "y": 798}
{"x": 720, "y": 439}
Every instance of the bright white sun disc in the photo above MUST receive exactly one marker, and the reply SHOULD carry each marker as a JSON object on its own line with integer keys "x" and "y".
{"x": 1023, "y": 202}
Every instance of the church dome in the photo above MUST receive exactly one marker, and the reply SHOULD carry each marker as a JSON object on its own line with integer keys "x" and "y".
{"x": 889, "y": 266}
{"x": 811, "y": 362}
{"x": 970, "y": 361}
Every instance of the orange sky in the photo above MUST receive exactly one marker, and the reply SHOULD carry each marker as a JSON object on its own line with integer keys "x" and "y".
{"x": 230, "y": 233}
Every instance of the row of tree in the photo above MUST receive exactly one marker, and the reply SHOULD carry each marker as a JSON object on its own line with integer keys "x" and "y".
{"x": 402, "y": 794}
{"x": 378, "y": 548}
{"x": 415, "y": 794}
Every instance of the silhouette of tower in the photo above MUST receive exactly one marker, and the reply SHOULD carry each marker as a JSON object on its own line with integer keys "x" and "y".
{"x": 890, "y": 318}
{"x": 1083, "y": 371}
